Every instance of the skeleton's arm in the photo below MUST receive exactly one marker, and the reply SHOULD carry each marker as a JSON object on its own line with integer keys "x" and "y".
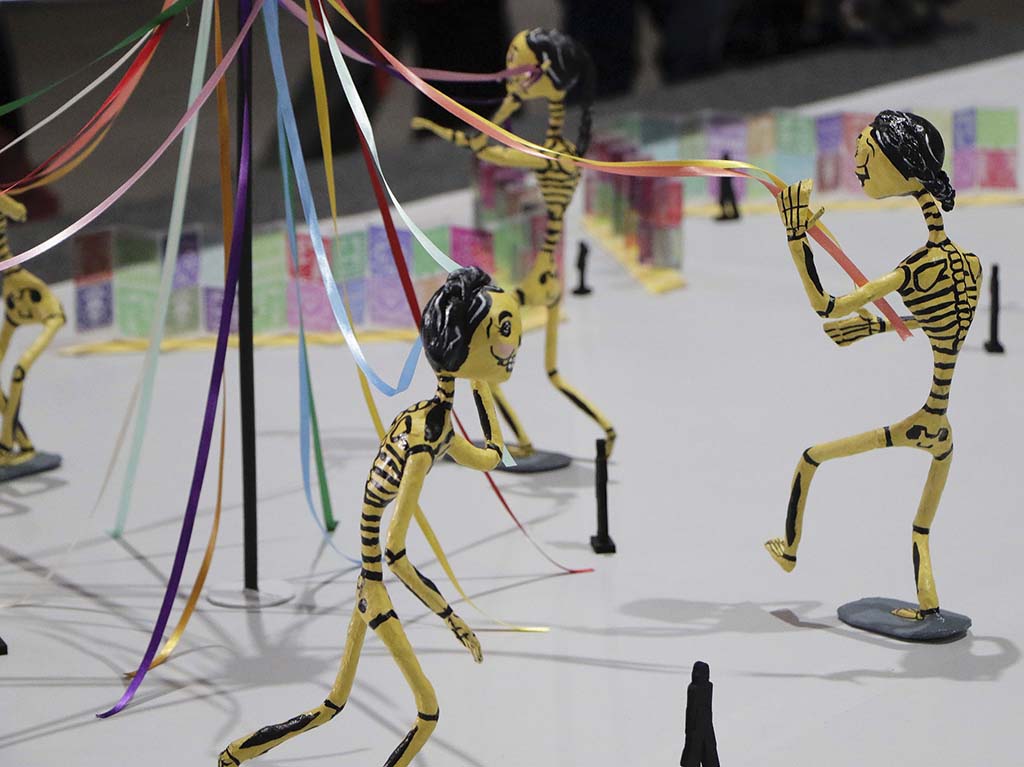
{"x": 496, "y": 155}
{"x": 844, "y": 332}
{"x": 425, "y": 590}
{"x": 481, "y": 458}
{"x": 795, "y": 208}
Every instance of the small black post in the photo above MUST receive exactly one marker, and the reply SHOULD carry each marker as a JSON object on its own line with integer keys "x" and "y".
{"x": 602, "y": 543}
{"x": 581, "y": 267}
{"x": 3, "y": 647}
{"x": 992, "y": 344}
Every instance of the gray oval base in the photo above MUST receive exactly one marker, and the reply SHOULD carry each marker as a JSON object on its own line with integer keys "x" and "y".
{"x": 38, "y": 463}
{"x": 875, "y": 614}
{"x": 269, "y": 594}
{"x": 536, "y": 462}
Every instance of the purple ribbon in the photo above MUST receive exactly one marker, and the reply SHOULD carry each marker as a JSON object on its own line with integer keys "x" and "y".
{"x": 206, "y": 435}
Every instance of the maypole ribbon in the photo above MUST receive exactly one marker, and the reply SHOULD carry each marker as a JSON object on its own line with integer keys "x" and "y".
{"x": 438, "y": 75}
{"x": 110, "y": 109}
{"x": 100, "y": 209}
{"x": 377, "y": 180}
{"x": 406, "y": 281}
{"x": 230, "y": 284}
{"x": 168, "y": 13}
{"x": 170, "y": 261}
{"x": 666, "y": 168}
{"x": 211, "y": 544}
{"x": 363, "y": 123}
{"x": 79, "y": 96}
{"x": 305, "y": 387}
{"x": 216, "y": 374}
{"x": 270, "y": 19}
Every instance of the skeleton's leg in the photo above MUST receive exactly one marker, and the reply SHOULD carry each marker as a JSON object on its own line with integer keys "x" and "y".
{"x": 525, "y": 447}
{"x": 10, "y": 415}
{"x": 551, "y": 365}
{"x": 927, "y": 597}
{"x": 389, "y": 629}
{"x": 266, "y": 738}
{"x": 783, "y": 550}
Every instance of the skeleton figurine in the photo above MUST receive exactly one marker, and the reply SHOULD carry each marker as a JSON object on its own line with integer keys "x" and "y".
{"x": 471, "y": 329}
{"x": 899, "y": 154}
{"x": 559, "y": 64}
{"x": 27, "y": 301}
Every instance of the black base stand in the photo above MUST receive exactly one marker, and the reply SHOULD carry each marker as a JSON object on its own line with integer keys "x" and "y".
{"x": 992, "y": 345}
{"x": 602, "y": 543}
{"x": 38, "y": 463}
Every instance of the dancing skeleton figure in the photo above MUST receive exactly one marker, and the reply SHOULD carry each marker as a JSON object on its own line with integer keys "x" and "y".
{"x": 27, "y": 301}
{"x": 899, "y": 154}
{"x": 471, "y": 329}
{"x": 559, "y": 64}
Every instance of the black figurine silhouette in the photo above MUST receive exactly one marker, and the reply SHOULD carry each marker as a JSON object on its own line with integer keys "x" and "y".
{"x": 993, "y": 345}
{"x": 581, "y": 267}
{"x": 700, "y": 748}
{"x": 727, "y": 198}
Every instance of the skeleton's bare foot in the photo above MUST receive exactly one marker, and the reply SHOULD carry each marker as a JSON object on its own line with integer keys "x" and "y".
{"x": 227, "y": 759}
{"x": 779, "y": 551}
{"x": 908, "y": 613}
{"x": 9, "y": 457}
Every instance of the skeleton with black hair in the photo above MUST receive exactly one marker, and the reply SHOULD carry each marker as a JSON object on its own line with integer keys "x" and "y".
{"x": 471, "y": 329}
{"x": 899, "y": 154}
{"x": 560, "y": 64}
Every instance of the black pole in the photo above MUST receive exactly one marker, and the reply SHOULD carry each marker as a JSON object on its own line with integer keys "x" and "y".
{"x": 246, "y": 385}
{"x": 601, "y": 543}
{"x": 993, "y": 345}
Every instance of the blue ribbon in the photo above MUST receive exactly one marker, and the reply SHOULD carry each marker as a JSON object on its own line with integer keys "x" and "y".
{"x": 287, "y": 120}
{"x": 304, "y": 407}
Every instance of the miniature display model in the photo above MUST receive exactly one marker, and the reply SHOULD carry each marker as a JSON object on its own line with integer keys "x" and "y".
{"x": 471, "y": 329}
{"x": 700, "y": 747}
{"x": 582, "y": 289}
{"x": 993, "y": 345}
{"x": 898, "y": 154}
{"x": 560, "y": 64}
{"x": 27, "y": 301}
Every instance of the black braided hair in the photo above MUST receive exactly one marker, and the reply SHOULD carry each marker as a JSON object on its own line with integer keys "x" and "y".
{"x": 914, "y": 147}
{"x": 570, "y": 65}
{"x": 453, "y": 314}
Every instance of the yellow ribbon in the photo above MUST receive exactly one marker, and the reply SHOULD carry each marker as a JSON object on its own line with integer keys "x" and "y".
{"x": 323, "y": 121}
{"x": 64, "y": 170}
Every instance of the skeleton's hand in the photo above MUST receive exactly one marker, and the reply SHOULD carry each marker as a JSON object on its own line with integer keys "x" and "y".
{"x": 466, "y": 636}
{"x": 795, "y": 208}
{"x": 476, "y": 142}
{"x": 844, "y": 332}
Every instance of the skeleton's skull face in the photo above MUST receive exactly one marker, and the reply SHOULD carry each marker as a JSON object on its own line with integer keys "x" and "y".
{"x": 876, "y": 173}
{"x": 492, "y": 351}
{"x": 529, "y": 85}
{"x": 23, "y": 304}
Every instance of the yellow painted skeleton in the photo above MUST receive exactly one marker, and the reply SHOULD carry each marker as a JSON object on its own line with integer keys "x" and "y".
{"x": 560, "y": 62}
{"x": 898, "y": 154}
{"x": 27, "y": 301}
{"x": 471, "y": 329}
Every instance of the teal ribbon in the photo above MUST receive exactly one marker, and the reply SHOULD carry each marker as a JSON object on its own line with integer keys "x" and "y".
{"x": 174, "y": 228}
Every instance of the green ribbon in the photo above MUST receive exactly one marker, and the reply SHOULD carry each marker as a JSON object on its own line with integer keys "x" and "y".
{"x": 160, "y": 18}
